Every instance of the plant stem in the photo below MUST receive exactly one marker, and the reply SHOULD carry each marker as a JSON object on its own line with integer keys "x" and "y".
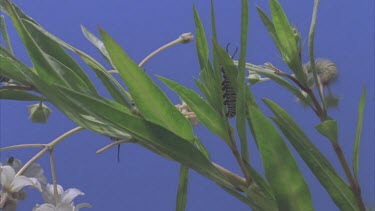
{"x": 22, "y": 146}
{"x": 65, "y": 135}
{"x": 114, "y": 144}
{"x": 54, "y": 180}
{"x": 31, "y": 161}
{"x": 184, "y": 38}
{"x": 232, "y": 176}
{"x": 312, "y": 59}
{"x": 4, "y": 32}
{"x": 237, "y": 155}
{"x": 353, "y": 184}
{"x": 47, "y": 148}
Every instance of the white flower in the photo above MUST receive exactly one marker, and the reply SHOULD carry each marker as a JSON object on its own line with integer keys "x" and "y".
{"x": 34, "y": 170}
{"x": 65, "y": 199}
{"x": 60, "y": 207}
{"x": 188, "y": 113}
{"x": 12, "y": 184}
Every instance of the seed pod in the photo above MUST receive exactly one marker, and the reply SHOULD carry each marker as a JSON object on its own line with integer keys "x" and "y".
{"x": 39, "y": 112}
{"x": 326, "y": 70}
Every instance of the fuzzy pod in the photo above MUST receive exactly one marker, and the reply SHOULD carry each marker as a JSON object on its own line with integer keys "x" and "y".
{"x": 39, "y": 112}
{"x": 326, "y": 69}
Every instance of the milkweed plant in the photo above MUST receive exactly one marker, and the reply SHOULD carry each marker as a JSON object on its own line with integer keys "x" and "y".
{"x": 156, "y": 124}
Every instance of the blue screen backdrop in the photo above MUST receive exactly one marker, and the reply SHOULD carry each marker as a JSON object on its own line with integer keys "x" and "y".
{"x": 145, "y": 181}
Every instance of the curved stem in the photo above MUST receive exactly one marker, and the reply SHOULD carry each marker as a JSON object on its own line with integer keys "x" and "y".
{"x": 113, "y": 144}
{"x": 238, "y": 157}
{"x": 54, "y": 180}
{"x": 47, "y": 148}
{"x": 312, "y": 59}
{"x": 20, "y": 146}
{"x": 184, "y": 38}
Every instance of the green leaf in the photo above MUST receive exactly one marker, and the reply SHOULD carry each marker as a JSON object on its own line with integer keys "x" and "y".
{"x": 96, "y": 42}
{"x": 182, "y": 188}
{"x": 283, "y": 36}
{"x": 361, "y": 108}
{"x": 113, "y": 87}
{"x": 40, "y": 59}
{"x": 270, "y": 28}
{"x": 215, "y": 60}
{"x": 280, "y": 80}
{"x": 9, "y": 94}
{"x": 240, "y": 95}
{"x": 205, "y": 113}
{"x": 201, "y": 42}
{"x": 44, "y": 69}
{"x": 4, "y": 33}
{"x": 336, "y": 187}
{"x": 227, "y": 63}
{"x": 260, "y": 185}
{"x": 151, "y": 101}
{"x": 49, "y": 47}
{"x": 288, "y": 185}
{"x": 63, "y": 63}
{"x": 328, "y": 129}
{"x": 112, "y": 119}
{"x": 12, "y": 68}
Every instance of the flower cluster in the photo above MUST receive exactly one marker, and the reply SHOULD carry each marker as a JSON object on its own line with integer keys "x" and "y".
{"x": 12, "y": 184}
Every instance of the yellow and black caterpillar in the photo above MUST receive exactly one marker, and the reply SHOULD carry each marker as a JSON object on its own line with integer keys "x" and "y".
{"x": 229, "y": 92}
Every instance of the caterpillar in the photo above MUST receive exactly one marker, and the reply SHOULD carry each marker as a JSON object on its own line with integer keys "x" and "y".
{"x": 229, "y": 91}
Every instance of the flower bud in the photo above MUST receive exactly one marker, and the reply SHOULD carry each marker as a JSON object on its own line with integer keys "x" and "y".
{"x": 39, "y": 112}
{"x": 326, "y": 70}
{"x": 187, "y": 37}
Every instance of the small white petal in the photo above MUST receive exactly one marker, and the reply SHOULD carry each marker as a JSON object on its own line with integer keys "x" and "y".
{"x": 44, "y": 207}
{"x": 82, "y": 205}
{"x": 6, "y": 176}
{"x": 70, "y": 194}
{"x": 22, "y": 181}
{"x": 65, "y": 207}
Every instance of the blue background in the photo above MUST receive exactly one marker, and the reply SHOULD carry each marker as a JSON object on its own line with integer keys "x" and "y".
{"x": 145, "y": 181}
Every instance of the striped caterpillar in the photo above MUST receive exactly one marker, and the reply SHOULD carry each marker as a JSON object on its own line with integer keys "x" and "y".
{"x": 229, "y": 91}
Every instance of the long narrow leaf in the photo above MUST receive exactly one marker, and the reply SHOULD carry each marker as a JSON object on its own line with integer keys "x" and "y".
{"x": 201, "y": 42}
{"x": 336, "y": 187}
{"x": 328, "y": 129}
{"x": 115, "y": 118}
{"x": 43, "y": 67}
{"x": 288, "y": 185}
{"x": 12, "y": 68}
{"x": 182, "y": 188}
{"x": 113, "y": 87}
{"x": 68, "y": 69}
{"x": 205, "y": 113}
{"x": 287, "y": 40}
{"x": 4, "y": 33}
{"x": 241, "y": 85}
{"x": 18, "y": 95}
{"x": 270, "y": 28}
{"x": 96, "y": 42}
{"x": 361, "y": 108}
{"x": 148, "y": 97}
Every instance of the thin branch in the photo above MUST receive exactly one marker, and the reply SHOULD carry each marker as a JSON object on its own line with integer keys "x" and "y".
{"x": 237, "y": 155}
{"x": 31, "y": 161}
{"x": 184, "y": 38}
{"x": 54, "y": 180}
{"x": 232, "y": 176}
{"x": 65, "y": 135}
{"x": 113, "y": 144}
{"x": 22, "y": 146}
{"x": 47, "y": 148}
{"x": 312, "y": 59}
{"x": 19, "y": 87}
